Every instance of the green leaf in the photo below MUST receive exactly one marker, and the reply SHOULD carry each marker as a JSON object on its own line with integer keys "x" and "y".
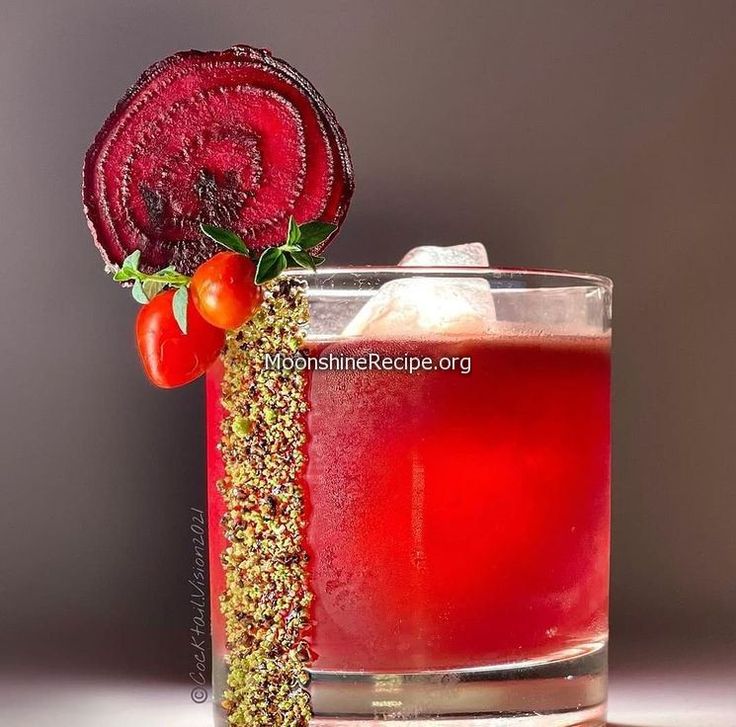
{"x": 226, "y": 238}
{"x": 131, "y": 262}
{"x": 303, "y": 259}
{"x": 152, "y": 288}
{"x": 293, "y": 234}
{"x": 270, "y": 265}
{"x": 318, "y": 259}
{"x": 179, "y": 306}
{"x": 138, "y": 293}
{"x": 129, "y": 268}
{"x": 315, "y": 232}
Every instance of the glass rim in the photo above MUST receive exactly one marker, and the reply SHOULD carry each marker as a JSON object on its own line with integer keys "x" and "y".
{"x": 564, "y": 277}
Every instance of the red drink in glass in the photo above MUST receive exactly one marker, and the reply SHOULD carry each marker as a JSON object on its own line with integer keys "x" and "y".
{"x": 459, "y": 520}
{"x": 456, "y": 517}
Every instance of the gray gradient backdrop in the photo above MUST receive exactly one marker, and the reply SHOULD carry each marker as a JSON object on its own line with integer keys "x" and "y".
{"x": 596, "y": 136}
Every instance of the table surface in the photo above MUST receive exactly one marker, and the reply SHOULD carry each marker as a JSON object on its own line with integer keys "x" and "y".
{"x": 668, "y": 694}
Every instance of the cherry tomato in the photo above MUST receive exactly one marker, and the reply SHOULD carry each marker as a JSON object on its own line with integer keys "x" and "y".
{"x": 224, "y": 291}
{"x": 172, "y": 358}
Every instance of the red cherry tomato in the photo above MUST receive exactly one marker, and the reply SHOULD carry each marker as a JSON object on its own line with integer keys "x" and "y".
{"x": 171, "y": 358}
{"x": 224, "y": 291}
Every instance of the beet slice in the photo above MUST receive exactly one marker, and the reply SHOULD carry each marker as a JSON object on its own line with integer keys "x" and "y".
{"x": 235, "y": 138}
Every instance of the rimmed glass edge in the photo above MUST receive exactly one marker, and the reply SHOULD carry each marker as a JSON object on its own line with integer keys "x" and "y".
{"x": 577, "y": 279}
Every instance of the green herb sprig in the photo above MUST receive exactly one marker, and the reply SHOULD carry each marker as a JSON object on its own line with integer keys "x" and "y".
{"x": 148, "y": 285}
{"x": 294, "y": 252}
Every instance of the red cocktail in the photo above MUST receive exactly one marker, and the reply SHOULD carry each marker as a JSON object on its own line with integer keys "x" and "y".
{"x": 456, "y": 517}
{"x": 459, "y": 520}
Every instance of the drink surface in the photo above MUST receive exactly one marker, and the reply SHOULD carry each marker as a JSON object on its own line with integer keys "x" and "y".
{"x": 454, "y": 520}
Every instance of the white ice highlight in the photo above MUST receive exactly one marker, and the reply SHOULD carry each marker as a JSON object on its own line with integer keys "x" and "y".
{"x": 430, "y": 305}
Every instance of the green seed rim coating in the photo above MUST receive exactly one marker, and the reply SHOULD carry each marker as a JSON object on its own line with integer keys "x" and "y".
{"x": 267, "y": 597}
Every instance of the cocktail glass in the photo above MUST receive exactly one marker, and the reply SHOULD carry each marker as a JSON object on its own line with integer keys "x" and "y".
{"x": 456, "y": 518}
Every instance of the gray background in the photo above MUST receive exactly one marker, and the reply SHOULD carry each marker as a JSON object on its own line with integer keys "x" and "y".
{"x": 597, "y": 136}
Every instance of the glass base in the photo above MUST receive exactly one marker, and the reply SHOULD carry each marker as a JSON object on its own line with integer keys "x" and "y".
{"x": 593, "y": 717}
{"x": 565, "y": 692}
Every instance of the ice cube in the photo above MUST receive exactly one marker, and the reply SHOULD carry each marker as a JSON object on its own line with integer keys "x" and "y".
{"x": 470, "y": 254}
{"x": 430, "y": 305}
{"x": 426, "y": 305}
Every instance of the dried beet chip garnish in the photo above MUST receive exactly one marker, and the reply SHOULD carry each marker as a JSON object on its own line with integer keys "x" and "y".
{"x": 233, "y": 138}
